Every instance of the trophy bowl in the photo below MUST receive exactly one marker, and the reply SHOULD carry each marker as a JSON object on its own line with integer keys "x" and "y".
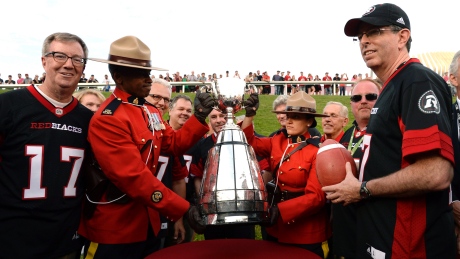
{"x": 232, "y": 189}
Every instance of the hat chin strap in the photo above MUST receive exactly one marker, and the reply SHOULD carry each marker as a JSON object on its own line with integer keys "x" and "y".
{"x": 293, "y": 139}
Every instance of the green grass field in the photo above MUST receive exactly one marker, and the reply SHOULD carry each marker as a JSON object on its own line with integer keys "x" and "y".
{"x": 265, "y": 121}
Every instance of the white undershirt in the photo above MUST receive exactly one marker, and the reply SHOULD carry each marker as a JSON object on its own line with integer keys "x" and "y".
{"x": 51, "y": 100}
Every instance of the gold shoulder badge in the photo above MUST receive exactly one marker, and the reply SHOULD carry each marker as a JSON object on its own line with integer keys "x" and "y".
{"x": 107, "y": 111}
{"x": 157, "y": 196}
{"x": 135, "y": 101}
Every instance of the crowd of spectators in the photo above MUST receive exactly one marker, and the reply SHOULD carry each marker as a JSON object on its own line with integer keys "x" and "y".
{"x": 319, "y": 89}
{"x": 23, "y": 80}
{"x": 316, "y": 89}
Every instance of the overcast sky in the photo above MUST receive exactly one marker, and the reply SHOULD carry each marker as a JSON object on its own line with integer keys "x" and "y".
{"x": 215, "y": 36}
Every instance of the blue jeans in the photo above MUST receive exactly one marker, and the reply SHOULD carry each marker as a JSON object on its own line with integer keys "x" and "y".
{"x": 280, "y": 89}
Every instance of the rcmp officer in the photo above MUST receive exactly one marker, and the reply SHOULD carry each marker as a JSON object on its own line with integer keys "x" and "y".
{"x": 127, "y": 139}
{"x": 298, "y": 213}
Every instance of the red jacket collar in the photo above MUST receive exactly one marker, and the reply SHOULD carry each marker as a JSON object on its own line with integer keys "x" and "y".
{"x": 338, "y": 138}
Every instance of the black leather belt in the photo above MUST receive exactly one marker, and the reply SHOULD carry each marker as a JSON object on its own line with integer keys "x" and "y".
{"x": 287, "y": 195}
{"x": 278, "y": 196}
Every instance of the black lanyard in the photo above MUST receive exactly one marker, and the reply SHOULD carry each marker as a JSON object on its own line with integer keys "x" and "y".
{"x": 457, "y": 113}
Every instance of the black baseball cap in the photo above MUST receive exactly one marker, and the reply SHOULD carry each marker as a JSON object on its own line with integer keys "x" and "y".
{"x": 379, "y": 15}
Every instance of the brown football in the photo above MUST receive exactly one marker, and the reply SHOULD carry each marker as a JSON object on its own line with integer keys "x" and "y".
{"x": 330, "y": 162}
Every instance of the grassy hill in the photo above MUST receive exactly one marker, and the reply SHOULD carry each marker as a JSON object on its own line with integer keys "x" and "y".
{"x": 265, "y": 121}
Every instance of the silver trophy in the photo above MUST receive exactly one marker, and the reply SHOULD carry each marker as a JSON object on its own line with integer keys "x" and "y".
{"x": 232, "y": 189}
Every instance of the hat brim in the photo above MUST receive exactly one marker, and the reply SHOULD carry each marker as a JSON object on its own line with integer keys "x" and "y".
{"x": 352, "y": 26}
{"x": 290, "y": 112}
{"x": 127, "y": 65}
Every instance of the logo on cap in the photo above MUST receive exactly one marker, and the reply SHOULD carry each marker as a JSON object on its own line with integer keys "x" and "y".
{"x": 370, "y": 10}
{"x": 401, "y": 21}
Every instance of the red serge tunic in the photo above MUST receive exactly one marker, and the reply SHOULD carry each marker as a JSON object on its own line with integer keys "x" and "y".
{"x": 117, "y": 137}
{"x": 304, "y": 219}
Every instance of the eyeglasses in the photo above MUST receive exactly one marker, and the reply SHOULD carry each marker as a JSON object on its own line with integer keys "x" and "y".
{"x": 374, "y": 32}
{"x": 332, "y": 115}
{"x": 370, "y": 97}
{"x": 158, "y": 98}
{"x": 62, "y": 58}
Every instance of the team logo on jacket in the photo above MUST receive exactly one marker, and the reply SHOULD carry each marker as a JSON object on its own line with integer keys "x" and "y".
{"x": 428, "y": 103}
{"x": 157, "y": 196}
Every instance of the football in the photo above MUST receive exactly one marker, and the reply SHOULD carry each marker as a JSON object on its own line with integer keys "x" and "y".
{"x": 330, "y": 163}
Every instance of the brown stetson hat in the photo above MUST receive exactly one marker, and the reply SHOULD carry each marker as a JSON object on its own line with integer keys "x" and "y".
{"x": 129, "y": 51}
{"x": 301, "y": 102}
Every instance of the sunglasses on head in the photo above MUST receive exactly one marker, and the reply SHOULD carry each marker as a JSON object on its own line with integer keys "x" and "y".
{"x": 358, "y": 97}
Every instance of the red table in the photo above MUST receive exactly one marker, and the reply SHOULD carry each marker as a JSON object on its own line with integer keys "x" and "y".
{"x": 233, "y": 249}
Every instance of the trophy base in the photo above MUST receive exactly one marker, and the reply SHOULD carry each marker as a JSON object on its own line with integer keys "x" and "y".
{"x": 236, "y": 218}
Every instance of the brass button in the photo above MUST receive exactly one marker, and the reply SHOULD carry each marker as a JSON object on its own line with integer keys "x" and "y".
{"x": 300, "y": 167}
{"x": 153, "y": 166}
{"x": 288, "y": 160}
{"x": 281, "y": 172}
{"x": 271, "y": 157}
{"x": 282, "y": 184}
{"x": 143, "y": 140}
{"x": 155, "y": 146}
